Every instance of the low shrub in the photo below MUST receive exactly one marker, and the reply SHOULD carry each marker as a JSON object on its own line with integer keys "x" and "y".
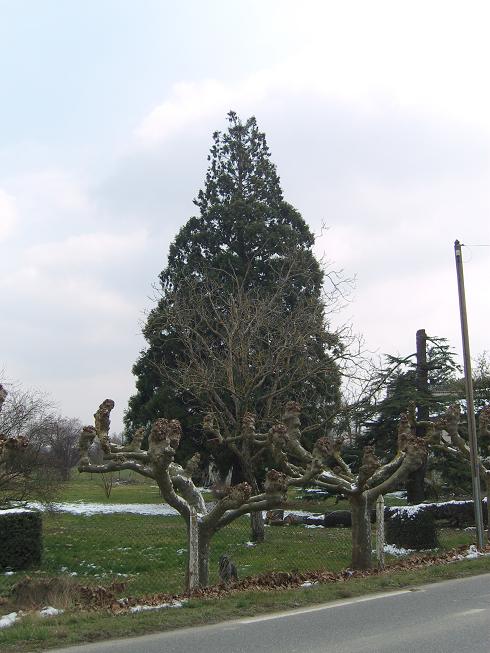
{"x": 411, "y": 530}
{"x": 20, "y": 539}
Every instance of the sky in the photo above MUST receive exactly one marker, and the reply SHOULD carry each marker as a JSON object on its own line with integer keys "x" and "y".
{"x": 377, "y": 116}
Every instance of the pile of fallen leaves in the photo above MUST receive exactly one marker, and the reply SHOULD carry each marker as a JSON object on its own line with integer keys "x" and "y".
{"x": 282, "y": 580}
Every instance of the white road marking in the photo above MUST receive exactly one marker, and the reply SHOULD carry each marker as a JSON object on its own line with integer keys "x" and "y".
{"x": 468, "y": 612}
{"x": 329, "y": 606}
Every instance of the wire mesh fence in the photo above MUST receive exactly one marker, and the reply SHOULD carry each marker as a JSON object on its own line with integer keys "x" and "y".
{"x": 148, "y": 553}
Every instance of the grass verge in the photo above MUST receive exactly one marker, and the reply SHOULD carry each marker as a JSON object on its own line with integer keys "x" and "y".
{"x": 34, "y": 634}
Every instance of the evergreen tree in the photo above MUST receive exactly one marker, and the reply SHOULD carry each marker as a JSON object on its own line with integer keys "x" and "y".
{"x": 402, "y": 394}
{"x": 245, "y": 235}
{"x": 399, "y": 383}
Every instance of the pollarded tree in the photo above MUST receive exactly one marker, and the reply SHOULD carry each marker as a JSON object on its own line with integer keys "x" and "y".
{"x": 325, "y": 468}
{"x": 176, "y": 485}
{"x": 296, "y": 465}
{"x": 245, "y": 233}
{"x": 447, "y": 435}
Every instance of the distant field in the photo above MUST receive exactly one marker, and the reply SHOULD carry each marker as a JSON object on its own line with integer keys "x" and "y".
{"x": 127, "y": 488}
{"x": 132, "y": 488}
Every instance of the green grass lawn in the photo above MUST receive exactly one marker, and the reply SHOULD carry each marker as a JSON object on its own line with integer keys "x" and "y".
{"x": 127, "y": 488}
{"x": 149, "y": 552}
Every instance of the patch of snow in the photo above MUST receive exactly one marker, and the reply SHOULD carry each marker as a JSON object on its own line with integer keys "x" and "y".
{"x": 8, "y": 619}
{"x": 160, "y": 606}
{"x": 313, "y": 526}
{"x": 49, "y": 611}
{"x": 181, "y": 551}
{"x": 10, "y": 511}
{"x": 393, "y": 550}
{"x": 9, "y": 573}
{"x": 88, "y": 509}
{"x": 303, "y": 513}
{"x": 309, "y": 583}
{"x": 314, "y": 490}
{"x": 250, "y": 544}
{"x": 410, "y": 511}
{"x": 402, "y": 494}
{"x": 472, "y": 554}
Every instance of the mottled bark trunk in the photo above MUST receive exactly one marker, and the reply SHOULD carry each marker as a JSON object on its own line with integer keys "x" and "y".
{"x": 193, "y": 552}
{"x": 257, "y": 533}
{"x": 487, "y": 479}
{"x": 361, "y": 532}
{"x": 204, "y": 547}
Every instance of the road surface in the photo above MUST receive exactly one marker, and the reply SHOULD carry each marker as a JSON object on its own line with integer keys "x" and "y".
{"x": 447, "y": 617}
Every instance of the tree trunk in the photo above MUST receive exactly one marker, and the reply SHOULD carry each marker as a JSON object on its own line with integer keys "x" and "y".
{"x": 257, "y": 527}
{"x": 415, "y": 486}
{"x": 487, "y": 479}
{"x": 257, "y": 524}
{"x": 361, "y": 532}
{"x": 204, "y": 542}
{"x": 193, "y": 552}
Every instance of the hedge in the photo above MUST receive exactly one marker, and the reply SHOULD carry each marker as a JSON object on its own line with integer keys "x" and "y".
{"x": 21, "y": 541}
{"x": 412, "y": 530}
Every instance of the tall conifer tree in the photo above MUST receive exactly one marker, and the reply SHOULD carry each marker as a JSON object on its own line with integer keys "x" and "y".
{"x": 244, "y": 231}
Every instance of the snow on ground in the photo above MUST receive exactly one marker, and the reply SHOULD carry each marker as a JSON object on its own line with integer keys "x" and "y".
{"x": 83, "y": 508}
{"x": 14, "y": 510}
{"x": 49, "y": 611}
{"x": 402, "y": 494}
{"x": 160, "y": 606}
{"x": 472, "y": 554}
{"x": 393, "y": 550}
{"x": 8, "y": 619}
{"x": 161, "y": 509}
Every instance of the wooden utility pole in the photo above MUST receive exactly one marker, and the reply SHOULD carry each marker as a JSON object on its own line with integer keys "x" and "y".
{"x": 470, "y": 406}
{"x": 422, "y": 376}
{"x": 415, "y": 482}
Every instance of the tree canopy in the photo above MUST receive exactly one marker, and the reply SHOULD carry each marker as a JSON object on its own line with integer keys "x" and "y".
{"x": 246, "y": 238}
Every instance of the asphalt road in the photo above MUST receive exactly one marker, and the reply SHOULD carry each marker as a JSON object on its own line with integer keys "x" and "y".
{"x": 448, "y": 617}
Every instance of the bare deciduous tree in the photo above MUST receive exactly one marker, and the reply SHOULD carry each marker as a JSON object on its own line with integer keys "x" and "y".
{"x": 249, "y": 350}
{"x": 58, "y": 436}
{"x": 23, "y": 469}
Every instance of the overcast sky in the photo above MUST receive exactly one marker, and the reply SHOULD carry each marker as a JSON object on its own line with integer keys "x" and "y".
{"x": 377, "y": 115}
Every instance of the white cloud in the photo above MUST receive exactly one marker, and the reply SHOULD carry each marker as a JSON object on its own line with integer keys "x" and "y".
{"x": 429, "y": 58}
{"x": 8, "y": 214}
{"x": 56, "y": 189}
{"x": 187, "y": 102}
{"x": 192, "y": 101}
{"x": 89, "y": 249}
